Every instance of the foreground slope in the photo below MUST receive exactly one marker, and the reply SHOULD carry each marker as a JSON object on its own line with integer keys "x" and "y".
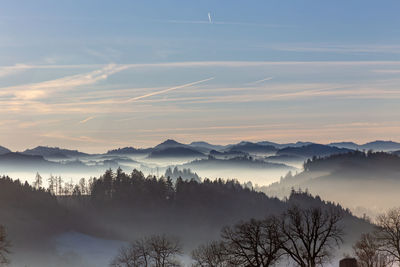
{"x": 124, "y": 207}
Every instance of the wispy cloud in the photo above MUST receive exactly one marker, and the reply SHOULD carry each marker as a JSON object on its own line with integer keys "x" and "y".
{"x": 336, "y": 48}
{"x": 11, "y": 70}
{"x": 81, "y": 139}
{"x": 188, "y": 64}
{"x": 387, "y": 71}
{"x": 42, "y": 89}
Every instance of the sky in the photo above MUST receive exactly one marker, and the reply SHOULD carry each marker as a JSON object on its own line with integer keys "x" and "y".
{"x": 97, "y": 75}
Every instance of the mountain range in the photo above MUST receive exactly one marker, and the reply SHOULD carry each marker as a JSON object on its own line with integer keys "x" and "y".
{"x": 299, "y": 148}
{"x": 261, "y": 161}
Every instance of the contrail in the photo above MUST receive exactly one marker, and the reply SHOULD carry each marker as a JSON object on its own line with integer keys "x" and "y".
{"x": 209, "y": 17}
{"x": 168, "y": 90}
{"x": 86, "y": 120}
{"x": 260, "y": 81}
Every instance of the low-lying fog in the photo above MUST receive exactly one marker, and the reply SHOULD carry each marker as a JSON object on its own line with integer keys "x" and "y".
{"x": 258, "y": 171}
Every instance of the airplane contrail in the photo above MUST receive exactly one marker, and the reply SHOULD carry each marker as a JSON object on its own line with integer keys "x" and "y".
{"x": 86, "y": 120}
{"x": 260, "y": 81}
{"x": 168, "y": 90}
{"x": 209, "y": 17}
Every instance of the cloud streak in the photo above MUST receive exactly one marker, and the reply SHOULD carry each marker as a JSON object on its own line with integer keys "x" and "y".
{"x": 12, "y": 70}
{"x": 187, "y": 64}
{"x": 336, "y": 48}
{"x": 42, "y": 89}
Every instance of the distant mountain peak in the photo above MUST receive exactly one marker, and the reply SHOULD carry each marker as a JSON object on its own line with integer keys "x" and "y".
{"x": 170, "y": 142}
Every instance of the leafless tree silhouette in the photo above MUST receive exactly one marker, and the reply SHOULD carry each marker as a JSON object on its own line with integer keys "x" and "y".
{"x": 255, "y": 243}
{"x": 5, "y": 245}
{"x": 310, "y": 234}
{"x": 388, "y": 233}
{"x": 210, "y": 255}
{"x": 368, "y": 252}
{"x": 157, "y": 251}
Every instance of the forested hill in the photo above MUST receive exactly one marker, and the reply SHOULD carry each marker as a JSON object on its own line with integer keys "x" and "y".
{"x": 350, "y": 179}
{"x": 377, "y": 161}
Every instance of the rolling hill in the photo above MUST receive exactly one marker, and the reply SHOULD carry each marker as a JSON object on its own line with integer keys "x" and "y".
{"x": 312, "y": 150}
{"x": 175, "y": 152}
{"x": 249, "y": 147}
{"x": 206, "y": 146}
{"x": 54, "y": 152}
{"x": 128, "y": 150}
{"x": 4, "y": 150}
{"x": 365, "y": 182}
{"x": 378, "y": 145}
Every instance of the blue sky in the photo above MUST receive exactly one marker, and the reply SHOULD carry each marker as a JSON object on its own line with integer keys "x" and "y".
{"x": 95, "y": 75}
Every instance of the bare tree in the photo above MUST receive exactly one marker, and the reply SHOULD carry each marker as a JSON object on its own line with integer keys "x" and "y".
{"x": 130, "y": 256}
{"x": 37, "y": 184}
{"x": 157, "y": 251}
{"x": 255, "y": 243}
{"x": 60, "y": 185}
{"x": 163, "y": 250}
{"x": 4, "y": 247}
{"x": 83, "y": 186}
{"x": 52, "y": 184}
{"x": 310, "y": 234}
{"x": 368, "y": 252}
{"x": 388, "y": 233}
{"x": 210, "y": 255}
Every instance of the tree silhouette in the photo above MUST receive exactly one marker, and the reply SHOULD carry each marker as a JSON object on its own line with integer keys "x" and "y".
{"x": 256, "y": 243}
{"x": 368, "y": 253}
{"x": 4, "y": 247}
{"x": 310, "y": 234}
{"x": 83, "y": 186}
{"x": 212, "y": 254}
{"x": 156, "y": 250}
{"x": 38, "y": 181}
{"x": 52, "y": 184}
{"x": 388, "y": 233}
{"x": 163, "y": 250}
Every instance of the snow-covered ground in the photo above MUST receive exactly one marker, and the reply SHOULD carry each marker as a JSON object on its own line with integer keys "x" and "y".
{"x": 87, "y": 250}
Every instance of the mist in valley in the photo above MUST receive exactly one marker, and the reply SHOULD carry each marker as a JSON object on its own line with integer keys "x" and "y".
{"x": 83, "y": 216}
{"x": 199, "y": 133}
